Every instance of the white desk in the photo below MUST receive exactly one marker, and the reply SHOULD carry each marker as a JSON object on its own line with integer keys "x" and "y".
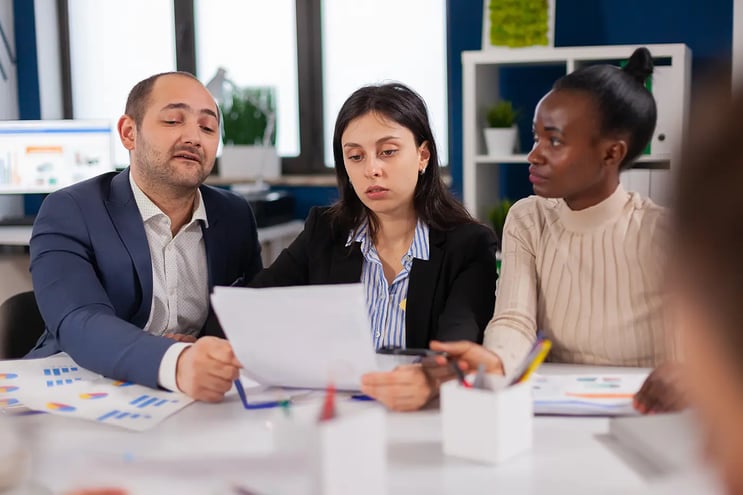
{"x": 15, "y": 235}
{"x": 205, "y": 447}
{"x": 273, "y": 239}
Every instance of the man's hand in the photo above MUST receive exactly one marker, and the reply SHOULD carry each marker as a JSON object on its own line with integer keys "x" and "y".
{"x": 663, "y": 390}
{"x": 180, "y": 337}
{"x": 206, "y": 370}
{"x": 406, "y": 388}
{"x": 468, "y": 356}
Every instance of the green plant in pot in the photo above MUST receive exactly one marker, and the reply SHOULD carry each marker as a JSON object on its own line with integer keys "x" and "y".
{"x": 249, "y": 127}
{"x": 250, "y": 117}
{"x": 501, "y": 133}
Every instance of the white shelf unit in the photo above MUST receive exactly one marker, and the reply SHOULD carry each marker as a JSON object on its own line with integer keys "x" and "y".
{"x": 480, "y": 72}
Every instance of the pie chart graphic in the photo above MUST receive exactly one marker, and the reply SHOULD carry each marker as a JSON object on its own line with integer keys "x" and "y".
{"x": 93, "y": 395}
{"x": 8, "y": 402}
{"x": 5, "y": 390}
{"x": 56, "y": 406}
{"x": 120, "y": 383}
{"x": 8, "y": 376}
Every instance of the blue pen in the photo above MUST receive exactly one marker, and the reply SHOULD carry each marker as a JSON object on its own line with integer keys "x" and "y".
{"x": 362, "y": 397}
{"x": 241, "y": 392}
{"x": 258, "y": 405}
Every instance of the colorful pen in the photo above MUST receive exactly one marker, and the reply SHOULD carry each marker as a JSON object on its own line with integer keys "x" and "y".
{"x": 533, "y": 360}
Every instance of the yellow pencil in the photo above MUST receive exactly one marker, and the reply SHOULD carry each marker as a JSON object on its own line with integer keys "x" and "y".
{"x": 544, "y": 349}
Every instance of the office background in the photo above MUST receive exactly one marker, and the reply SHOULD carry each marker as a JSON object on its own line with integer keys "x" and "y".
{"x": 706, "y": 26}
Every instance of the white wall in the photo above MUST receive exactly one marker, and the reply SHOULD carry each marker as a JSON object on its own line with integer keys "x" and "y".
{"x": 9, "y": 87}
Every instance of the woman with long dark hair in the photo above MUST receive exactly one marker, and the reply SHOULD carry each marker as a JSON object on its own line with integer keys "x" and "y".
{"x": 427, "y": 268}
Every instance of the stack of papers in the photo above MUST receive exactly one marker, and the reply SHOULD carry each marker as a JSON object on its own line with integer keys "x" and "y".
{"x": 586, "y": 394}
{"x": 57, "y": 385}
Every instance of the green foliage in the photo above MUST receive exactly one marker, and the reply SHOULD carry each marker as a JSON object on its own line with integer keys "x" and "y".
{"x": 502, "y": 114}
{"x": 497, "y": 216}
{"x": 250, "y": 117}
{"x": 516, "y": 23}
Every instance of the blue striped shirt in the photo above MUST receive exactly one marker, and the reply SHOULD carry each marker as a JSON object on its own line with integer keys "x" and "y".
{"x": 387, "y": 303}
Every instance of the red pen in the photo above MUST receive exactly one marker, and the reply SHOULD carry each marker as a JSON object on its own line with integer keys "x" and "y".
{"x": 328, "y": 406}
{"x": 460, "y": 374}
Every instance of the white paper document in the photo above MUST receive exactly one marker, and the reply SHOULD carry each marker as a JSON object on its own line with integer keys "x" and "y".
{"x": 304, "y": 337}
{"x": 586, "y": 394}
{"x": 57, "y": 385}
{"x": 19, "y": 376}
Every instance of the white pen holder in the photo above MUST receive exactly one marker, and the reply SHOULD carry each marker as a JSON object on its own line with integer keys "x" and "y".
{"x": 486, "y": 425}
{"x": 346, "y": 454}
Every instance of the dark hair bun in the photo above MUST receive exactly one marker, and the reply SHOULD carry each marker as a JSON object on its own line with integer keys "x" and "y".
{"x": 640, "y": 65}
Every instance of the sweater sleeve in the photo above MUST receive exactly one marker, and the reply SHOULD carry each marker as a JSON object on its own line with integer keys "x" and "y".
{"x": 513, "y": 328}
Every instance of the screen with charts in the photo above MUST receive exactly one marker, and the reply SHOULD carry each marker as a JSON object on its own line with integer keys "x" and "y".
{"x": 41, "y": 156}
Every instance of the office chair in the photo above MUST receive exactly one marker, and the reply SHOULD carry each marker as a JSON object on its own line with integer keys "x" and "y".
{"x": 21, "y": 325}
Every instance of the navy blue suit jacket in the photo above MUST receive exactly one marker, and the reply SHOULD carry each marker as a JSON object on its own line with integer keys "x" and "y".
{"x": 92, "y": 273}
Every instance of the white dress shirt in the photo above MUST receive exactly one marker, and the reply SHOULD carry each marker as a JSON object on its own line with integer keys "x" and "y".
{"x": 180, "y": 284}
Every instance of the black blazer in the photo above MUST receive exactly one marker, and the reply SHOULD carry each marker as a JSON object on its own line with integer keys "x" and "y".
{"x": 450, "y": 296}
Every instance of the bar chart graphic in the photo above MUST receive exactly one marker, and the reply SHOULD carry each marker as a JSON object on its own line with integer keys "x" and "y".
{"x": 60, "y": 371}
{"x": 59, "y": 376}
{"x": 116, "y": 415}
{"x": 144, "y": 401}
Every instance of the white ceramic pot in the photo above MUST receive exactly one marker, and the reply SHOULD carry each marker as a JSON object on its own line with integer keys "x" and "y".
{"x": 501, "y": 141}
{"x": 249, "y": 162}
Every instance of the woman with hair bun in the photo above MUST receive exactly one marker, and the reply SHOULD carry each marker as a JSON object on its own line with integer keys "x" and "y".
{"x": 583, "y": 258}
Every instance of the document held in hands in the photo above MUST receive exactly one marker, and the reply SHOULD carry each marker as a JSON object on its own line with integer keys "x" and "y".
{"x": 301, "y": 337}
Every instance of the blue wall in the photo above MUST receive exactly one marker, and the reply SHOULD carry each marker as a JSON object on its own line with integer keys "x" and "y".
{"x": 24, "y": 26}
{"x": 706, "y": 26}
{"x": 306, "y": 197}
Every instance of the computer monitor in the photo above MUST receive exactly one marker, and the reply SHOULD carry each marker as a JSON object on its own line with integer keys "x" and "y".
{"x": 41, "y": 156}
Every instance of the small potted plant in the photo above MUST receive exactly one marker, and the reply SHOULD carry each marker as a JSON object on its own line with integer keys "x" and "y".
{"x": 249, "y": 123}
{"x": 501, "y": 133}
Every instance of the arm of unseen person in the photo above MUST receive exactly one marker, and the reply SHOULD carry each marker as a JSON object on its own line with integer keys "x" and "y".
{"x": 664, "y": 390}
{"x": 68, "y": 282}
{"x": 512, "y": 330}
{"x": 207, "y": 369}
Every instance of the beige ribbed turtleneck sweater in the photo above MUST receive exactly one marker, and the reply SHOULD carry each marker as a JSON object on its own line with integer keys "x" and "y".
{"x": 591, "y": 280}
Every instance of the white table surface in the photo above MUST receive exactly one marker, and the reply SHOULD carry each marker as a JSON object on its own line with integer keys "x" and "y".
{"x": 206, "y": 447}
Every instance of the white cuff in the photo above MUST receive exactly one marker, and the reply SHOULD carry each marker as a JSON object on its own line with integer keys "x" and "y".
{"x": 168, "y": 365}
